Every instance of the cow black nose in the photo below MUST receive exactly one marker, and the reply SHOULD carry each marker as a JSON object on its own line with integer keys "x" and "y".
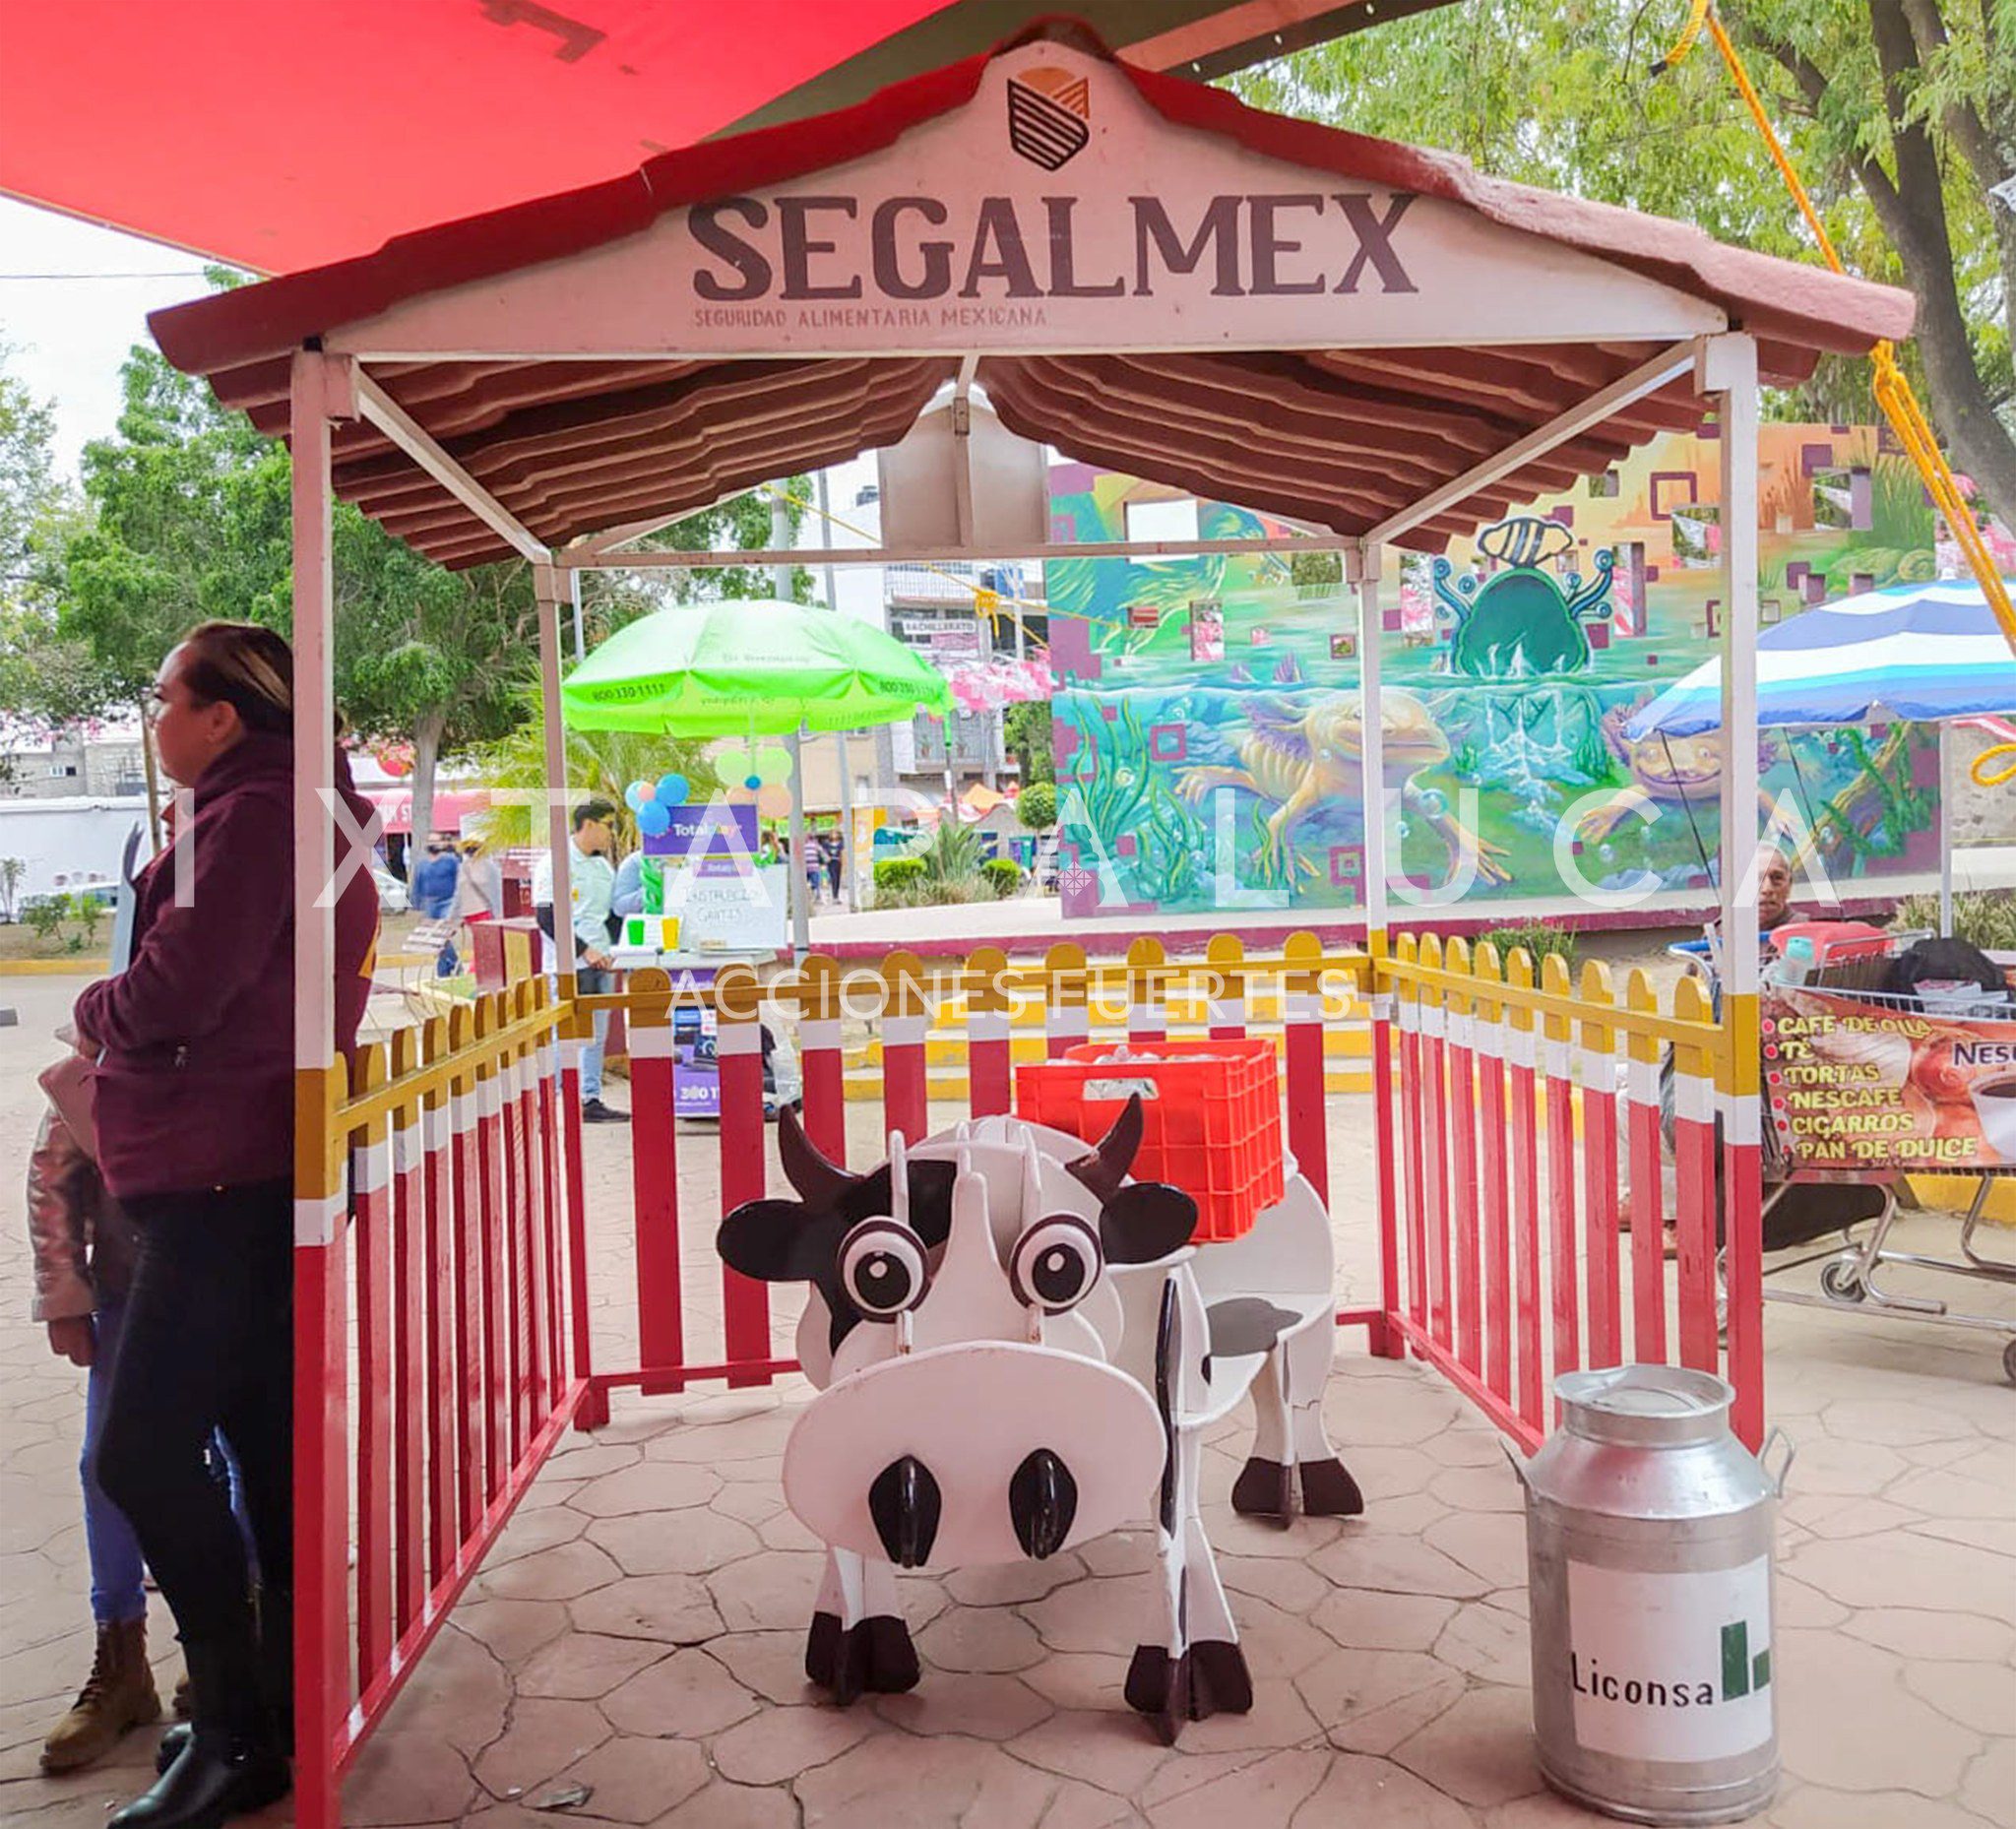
{"x": 904, "y": 1502}
{"x": 1042, "y": 1501}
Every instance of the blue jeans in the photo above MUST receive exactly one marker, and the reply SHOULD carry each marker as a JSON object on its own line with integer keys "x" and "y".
{"x": 593, "y": 981}
{"x": 116, "y": 1571}
{"x": 117, "y": 1567}
{"x": 439, "y": 907}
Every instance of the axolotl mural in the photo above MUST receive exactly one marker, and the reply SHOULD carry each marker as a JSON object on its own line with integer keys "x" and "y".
{"x": 1209, "y": 723}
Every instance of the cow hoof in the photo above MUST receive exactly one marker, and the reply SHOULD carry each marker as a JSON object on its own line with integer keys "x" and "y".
{"x": 1158, "y": 1686}
{"x": 1210, "y": 1678}
{"x": 1329, "y": 1490}
{"x": 1265, "y": 1490}
{"x": 874, "y": 1656}
{"x": 1220, "y": 1683}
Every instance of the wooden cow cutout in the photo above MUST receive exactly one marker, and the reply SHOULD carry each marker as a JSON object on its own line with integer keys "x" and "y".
{"x": 1014, "y": 1356}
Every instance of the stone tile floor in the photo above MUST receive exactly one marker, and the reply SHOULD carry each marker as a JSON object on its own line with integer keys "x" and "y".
{"x": 638, "y": 1631}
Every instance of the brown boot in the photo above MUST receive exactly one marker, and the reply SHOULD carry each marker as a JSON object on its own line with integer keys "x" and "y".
{"x": 118, "y": 1695}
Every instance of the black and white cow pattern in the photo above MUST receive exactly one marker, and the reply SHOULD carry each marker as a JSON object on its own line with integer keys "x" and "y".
{"x": 1015, "y": 1356}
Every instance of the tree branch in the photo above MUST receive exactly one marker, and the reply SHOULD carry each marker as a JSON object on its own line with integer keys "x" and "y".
{"x": 1813, "y": 84}
{"x": 1990, "y": 162}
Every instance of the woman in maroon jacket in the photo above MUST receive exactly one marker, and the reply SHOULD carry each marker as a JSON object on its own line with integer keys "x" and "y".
{"x": 195, "y": 1125}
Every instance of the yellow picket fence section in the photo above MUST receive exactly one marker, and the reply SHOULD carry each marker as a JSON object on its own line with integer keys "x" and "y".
{"x": 1560, "y": 1006}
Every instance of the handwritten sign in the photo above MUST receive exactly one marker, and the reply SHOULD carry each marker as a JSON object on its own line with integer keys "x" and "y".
{"x": 1850, "y": 1084}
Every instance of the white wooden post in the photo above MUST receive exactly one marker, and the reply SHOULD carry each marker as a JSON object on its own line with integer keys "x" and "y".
{"x": 552, "y": 586}
{"x": 320, "y": 392}
{"x": 1729, "y": 372}
{"x": 1362, "y": 565}
{"x": 1945, "y": 817}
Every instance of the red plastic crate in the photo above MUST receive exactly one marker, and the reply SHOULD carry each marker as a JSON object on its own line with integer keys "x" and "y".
{"x": 1210, "y": 1117}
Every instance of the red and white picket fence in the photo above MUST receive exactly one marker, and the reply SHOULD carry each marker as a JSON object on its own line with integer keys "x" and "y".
{"x": 1526, "y": 1109}
{"x": 445, "y": 1329}
{"x": 440, "y": 1350}
{"x": 992, "y": 1010}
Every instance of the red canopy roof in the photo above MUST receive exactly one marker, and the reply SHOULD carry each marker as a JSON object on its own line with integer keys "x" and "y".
{"x": 280, "y": 134}
{"x": 1341, "y": 437}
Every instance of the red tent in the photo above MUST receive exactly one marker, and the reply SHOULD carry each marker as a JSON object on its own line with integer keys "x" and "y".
{"x": 283, "y": 135}
{"x": 451, "y": 807}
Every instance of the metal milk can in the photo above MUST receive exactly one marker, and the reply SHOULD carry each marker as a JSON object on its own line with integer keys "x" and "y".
{"x": 1648, "y": 1537}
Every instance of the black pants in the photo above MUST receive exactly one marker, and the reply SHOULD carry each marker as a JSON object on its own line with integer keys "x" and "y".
{"x": 209, "y": 1344}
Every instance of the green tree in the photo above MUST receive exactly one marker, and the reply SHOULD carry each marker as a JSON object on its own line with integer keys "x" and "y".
{"x": 1036, "y": 807}
{"x": 426, "y": 655}
{"x": 28, "y": 478}
{"x": 189, "y": 520}
{"x": 1026, "y": 729}
{"x": 36, "y": 669}
{"x": 1901, "y": 114}
{"x": 193, "y": 520}
{"x": 744, "y": 522}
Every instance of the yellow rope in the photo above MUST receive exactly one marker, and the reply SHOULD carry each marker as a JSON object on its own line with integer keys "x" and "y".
{"x": 1002, "y": 600}
{"x": 1690, "y": 34}
{"x": 1996, "y": 767}
{"x": 1893, "y": 390}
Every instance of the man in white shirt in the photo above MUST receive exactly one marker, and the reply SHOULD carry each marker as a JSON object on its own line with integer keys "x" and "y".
{"x": 592, "y": 881}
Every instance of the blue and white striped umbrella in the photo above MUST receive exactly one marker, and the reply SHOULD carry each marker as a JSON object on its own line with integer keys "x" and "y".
{"x": 1924, "y": 653}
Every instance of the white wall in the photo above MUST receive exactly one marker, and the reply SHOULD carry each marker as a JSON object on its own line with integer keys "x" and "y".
{"x": 73, "y": 838}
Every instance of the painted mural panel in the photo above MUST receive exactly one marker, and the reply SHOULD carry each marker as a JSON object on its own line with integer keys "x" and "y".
{"x": 1208, "y": 716}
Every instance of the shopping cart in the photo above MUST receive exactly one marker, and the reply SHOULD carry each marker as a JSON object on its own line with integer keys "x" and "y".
{"x": 1865, "y": 1088}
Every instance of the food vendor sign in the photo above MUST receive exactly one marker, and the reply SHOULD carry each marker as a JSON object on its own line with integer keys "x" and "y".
{"x": 1853, "y": 1084}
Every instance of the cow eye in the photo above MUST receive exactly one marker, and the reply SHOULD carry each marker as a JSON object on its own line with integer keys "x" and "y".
{"x": 1055, "y": 1263}
{"x": 882, "y": 1268}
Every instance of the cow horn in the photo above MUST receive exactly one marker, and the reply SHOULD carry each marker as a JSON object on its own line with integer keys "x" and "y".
{"x": 816, "y": 1182}
{"x": 1105, "y": 1167}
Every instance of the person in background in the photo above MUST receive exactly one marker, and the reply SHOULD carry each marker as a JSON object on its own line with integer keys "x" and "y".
{"x": 627, "y": 897}
{"x": 434, "y": 888}
{"x": 194, "y": 1116}
{"x": 479, "y": 895}
{"x": 836, "y": 854}
{"x": 84, "y": 1249}
{"x": 812, "y": 862}
{"x": 1774, "y": 889}
{"x": 434, "y": 882}
{"x": 479, "y": 898}
{"x": 592, "y": 882}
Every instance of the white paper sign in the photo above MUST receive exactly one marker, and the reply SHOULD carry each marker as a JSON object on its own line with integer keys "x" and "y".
{"x": 746, "y": 912}
{"x": 1672, "y": 1668}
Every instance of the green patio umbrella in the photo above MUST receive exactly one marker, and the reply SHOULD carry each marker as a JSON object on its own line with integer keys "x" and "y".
{"x": 749, "y": 667}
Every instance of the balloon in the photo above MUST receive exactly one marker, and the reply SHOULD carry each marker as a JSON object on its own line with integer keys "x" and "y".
{"x": 752, "y": 782}
{"x": 774, "y": 800}
{"x": 774, "y": 762}
{"x": 673, "y": 790}
{"x": 653, "y": 820}
{"x": 732, "y": 763}
{"x": 632, "y": 795}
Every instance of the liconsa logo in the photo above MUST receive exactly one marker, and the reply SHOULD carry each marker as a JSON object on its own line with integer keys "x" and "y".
{"x": 1049, "y": 111}
{"x": 1742, "y": 1673}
